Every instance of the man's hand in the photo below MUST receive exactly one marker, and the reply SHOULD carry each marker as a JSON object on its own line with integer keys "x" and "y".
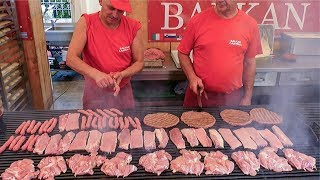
{"x": 196, "y": 85}
{"x": 103, "y": 80}
{"x": 117, "y": 77}
{"x": 245, "y": 101}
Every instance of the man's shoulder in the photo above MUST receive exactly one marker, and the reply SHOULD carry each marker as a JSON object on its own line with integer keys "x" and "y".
{"x": 200, "y": 16}
{"x": 130, "y": 20}
{"x": 249, "y": 19}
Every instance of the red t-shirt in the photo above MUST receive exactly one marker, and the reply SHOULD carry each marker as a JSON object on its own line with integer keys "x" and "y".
{"x": 108, "y": 50}
{"x": 219, "y": 47}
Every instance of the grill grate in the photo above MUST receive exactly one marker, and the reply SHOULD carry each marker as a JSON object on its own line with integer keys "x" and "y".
{"x": 309, "y": 147}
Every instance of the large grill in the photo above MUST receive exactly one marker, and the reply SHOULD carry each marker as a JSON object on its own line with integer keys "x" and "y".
{"x": 304, "y": 142}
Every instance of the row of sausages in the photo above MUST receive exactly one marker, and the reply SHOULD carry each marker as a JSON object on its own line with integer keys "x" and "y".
{"x": 14, "y": 143}
{"x": 33, "y": 126}
{"x": 103, "y": 118}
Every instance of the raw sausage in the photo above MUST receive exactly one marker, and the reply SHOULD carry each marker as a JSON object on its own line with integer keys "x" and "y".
{"x": 117, "y": 111}
{"x": 20, "y": 127}
{"x": 35, "y": 128}
{"x": 6, "y": 144}
{"x": 33, "y": 123}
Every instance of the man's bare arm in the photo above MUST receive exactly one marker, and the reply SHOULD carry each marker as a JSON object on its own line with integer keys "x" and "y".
{"x": 249, "y": 72}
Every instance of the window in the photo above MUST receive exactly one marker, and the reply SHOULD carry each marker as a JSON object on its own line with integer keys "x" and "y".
{"x": 59, "y": 10}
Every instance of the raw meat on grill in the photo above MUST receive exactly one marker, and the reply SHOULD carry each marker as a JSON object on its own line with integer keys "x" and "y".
{"x": 235, "y": 117}
{"x": 81, "y": 165}
{"x": 117, "y": 111}
{"x": 256, "y": 137}
{"x": 188, "y": 163}
{"x": 110, "y": 113}
{"x": 36, "y": 127}
{"x": 46, "y": 127}
{"x": 73, "y": 122}
{"x": 136, "y": 139}
{"x": 18, "y": 130}
{"x": 89, "y": 120}
{"x": 93, "y": 113}
{"x": 17, "y": 146}
{"x": 25, "y": 145}
{"x": 6, "y": 144}
{"x": 216, "y": 138}
{"x": 32, "y": 142}
{"x": 62, "y": 122}
{"x": 124, "y": 139}
{"x": 94, "y": 124}
{"x": 132, "y": 122}
{"x": 156, "y": 162}
{"x": 32, "y": 124}
{"x": 271, "y": 138}
{"x": 270, "y": 160}
{"x": 83, "y": 123}
{"x": 84, "y": 112}
{"x": 245, "y": 139}
{"x": 190, "y": 134}
{"x": 176, "y": 138}
{"x": 121, "y": 122}
{"x": 162, "y": 137}
{"x": 126, "y": 123}
{"x": 65, "y": 142}
{"x": 203, "y": 137}
{"x": 198, "y": 119}
{"x": 217, "y": 163}
{"x": 22, "y": 169}
{"x": 103, "y": 113}
{"x": 14, "y": 142}
{"x": 41, "y": 143}
{"x": 109, "y": 142}
{"x": 264, "y": 116}
{"x": 119, "y": 165}
{"x": 300, "y": 160}
{"x": 281, "y": 136}
{"x": 53, "y": 146}
{"x": 247, "y": 162}
{"x": 229, "y": 138}
{"x": 161, "y": 120}
{"x": 51, "y": 167}
{"x": 93, "y": 142}
{"x": 137, "y": 121}
{"x": 53, "y": 125}
{"x": 25, "y": 127}
{"x": 80, "y": 141}
{"x": 149, "y": 140}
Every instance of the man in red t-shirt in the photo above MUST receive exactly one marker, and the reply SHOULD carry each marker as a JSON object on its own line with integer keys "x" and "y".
{"x": 110, "y": 45}
{"x": 225, "y": 42}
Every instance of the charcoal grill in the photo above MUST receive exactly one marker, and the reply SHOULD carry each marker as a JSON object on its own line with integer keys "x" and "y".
{"x": 309, "y": 147}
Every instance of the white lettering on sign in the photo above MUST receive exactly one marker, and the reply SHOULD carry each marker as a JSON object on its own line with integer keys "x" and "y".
{"x": 167, "y": 15}
{"x": 270, "y": 16}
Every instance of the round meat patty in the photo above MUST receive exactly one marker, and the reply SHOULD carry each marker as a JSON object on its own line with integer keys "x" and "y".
{"x": 235, "y": 117}
{"x": 161, "y": 120}
{"x": 198, "y": 119}
{"x": 264, "y": 116}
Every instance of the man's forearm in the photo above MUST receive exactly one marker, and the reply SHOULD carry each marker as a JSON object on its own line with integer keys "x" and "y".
{"x": 133, "y": 69}
{"x": 186, "y": 66}
{"x": 249, "y": 73}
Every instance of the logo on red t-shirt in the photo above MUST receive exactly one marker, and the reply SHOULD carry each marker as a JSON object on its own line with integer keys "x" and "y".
{"x": 235, "y": 42}
{"x": 124, "y": 49}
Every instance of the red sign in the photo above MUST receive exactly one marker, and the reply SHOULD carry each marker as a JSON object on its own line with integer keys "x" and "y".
{"x": 167, "y": 18}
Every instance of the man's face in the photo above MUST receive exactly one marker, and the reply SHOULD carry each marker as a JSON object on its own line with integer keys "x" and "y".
{"x": 224, "y": 6}
{"x": 111, "y": 15}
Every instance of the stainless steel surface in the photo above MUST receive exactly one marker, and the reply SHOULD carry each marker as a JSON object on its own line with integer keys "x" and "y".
{"x": 59, "y": 34}
{"x": 265, "y": 79}
{"x": 302, "y": 43}
{"x": 299, "y": 78}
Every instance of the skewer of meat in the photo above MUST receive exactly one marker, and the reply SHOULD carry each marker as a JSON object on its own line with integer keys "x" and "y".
{"x": 110, "y": 113}
{"x": 89, "y": 120}
{"x": 84, "y": 112}
{"x": 83, "y": 123}
{"x": 25, "y": 146}
{"x": 25, "y": 127}
{"x": 117, "y": 111}
{"x": 14, "y": 142}
{"x": 31, "y": 143}
{"x": 126, "y": 123}
{"x": 41, "y": 129}
{"x": 18, "y": 130}
{"x": 53, "y": 125}
{"x": 131, "y": 121}
{"x": 121, "y": 122}
{"x": 137, "y": 122}
{"x": 94, "y": 123}
{"x": 32, "y": 124}
{"x": 19, "y": 143}
{"x": 6, "y": 144}
{"x": 93, "y": 113}
{"x": 35, "y": 128}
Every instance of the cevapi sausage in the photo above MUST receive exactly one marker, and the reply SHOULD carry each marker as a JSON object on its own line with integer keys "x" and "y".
{"x": 6, "y": 144}
{"x": 33, "y": 123}
{"x": 42, "y": 127}
{"x": 117, "y": 111}
{"x": 35, "y": 128}
{"x": 103, "y": 113}
{"x": 93, "y": 113}
{"x": 137, "y": 122}
{"x": 100, "y": 123}
{"x": 121, "y": 122}
{"x": 84, "y": 112}
{"x": 94, "y": 123}
{"x": 83, "y": 123}
{"x": 89, "y": 120}
{"x": 31, "y": 143}
{"x": 133, "y": 124}
{"x": 18, "y": 130}
{"x": 116, "y": 123}
{"x": 14, "y": 142}
{"x": 25, "y": 146}
{"x": 53, "y": 125}
{"x": 46, "y": 127}
{"x": 126, "y": 123}
{"x": 110, "y": 113}
{"x": 25, "y": 127}
{"x": 104, "y": 122}
{"x": 111, "y": 123}
{"x": 19, "y": 143}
